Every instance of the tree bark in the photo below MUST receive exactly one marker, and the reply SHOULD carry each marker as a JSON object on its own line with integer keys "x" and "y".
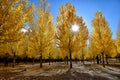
{"x": 94, "y": 60}
{"x": 82, "y": 57}
{"x": 33, "y": 60}
{"x": 107, "y": 59}
{"x": 97, "y": 58}
{"x": 70, "y": 59}
{"x": 49, "y": 58}
{"x": 41, "y": 61}
{"x": 116, "y": 59}
{"x": 119, "y": 57}
{"x": 14, "y": 59}
{"x": 25, "y": 59}
{"x": 6, "y": 59}
{"x": 66, "y": 60}
{"x": 103, "y": 61}
{"x": 100, "y": 60}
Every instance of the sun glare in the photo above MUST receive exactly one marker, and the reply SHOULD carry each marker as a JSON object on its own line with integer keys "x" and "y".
{"x": 75, "y": 28}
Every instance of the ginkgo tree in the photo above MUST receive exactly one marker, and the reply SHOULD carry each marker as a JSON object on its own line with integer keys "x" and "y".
{"x": 70, "y": 39}
{"x": 13, "y": 15}
{"x": 101, "y": 35}
{"x": 33, "y": 49}
{"x": 44, "y": 29}
{"x": 93, "y": 50}
{"x": 32, "y": 35}
{"x": 117, "y": 42}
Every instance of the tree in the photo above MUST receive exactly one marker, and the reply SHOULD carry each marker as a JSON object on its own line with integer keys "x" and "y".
{"x": 44, "y": 28}
{"x": 117, "y": 42}
{"x": 13, "y": 15}
{"x": 93, "y": 50}
{"x": 67, "y": 39}
{"x": 101, "y": 35}
{"x": 33, "y": 49}
{"x": 32, "y": 36}
{"x": 21, "y": 47}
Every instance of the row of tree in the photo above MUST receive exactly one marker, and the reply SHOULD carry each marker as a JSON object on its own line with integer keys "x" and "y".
{"x": 45, "y": 40}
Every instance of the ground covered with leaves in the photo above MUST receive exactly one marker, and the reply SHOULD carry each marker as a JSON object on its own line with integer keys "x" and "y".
{"x": 61, "y": 71}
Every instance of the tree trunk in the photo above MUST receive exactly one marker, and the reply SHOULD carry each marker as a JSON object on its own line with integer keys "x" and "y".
{"x": 66, "y": 60}
{"x": 107, "y": 59}
{"x": 41, "y": 61}
{"x": 103, "y": 61}
{"x": 82, "y": 57}
{"x": 119, "y": 57}
{"x": 97, "y": 58}
{"x": 6, "y": 59}
{"x": 14, "y": 59}
{"x": 100, "y": 60}
{"x": 49, "y": 60}
{"x": 76, "y": 60}
{"x": 70, "y": 59}
{"x": 116, "y": 59}
{"x": 91, "y": 61}
{"x": 25, "y": 59}
{"x": 33, "y": 60}
{"x": 94, "y": 60}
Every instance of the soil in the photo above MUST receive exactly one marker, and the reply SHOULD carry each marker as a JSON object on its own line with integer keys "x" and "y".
{"x": 60, "y": 71}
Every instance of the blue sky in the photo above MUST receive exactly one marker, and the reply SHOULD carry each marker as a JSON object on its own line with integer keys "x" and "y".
{"x": 87, "y": 9}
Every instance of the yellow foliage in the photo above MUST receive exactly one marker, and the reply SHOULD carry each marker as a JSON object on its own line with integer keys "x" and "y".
{"x": 101, "y": 35}
{"x": 13, "y": 16}
{"x": 67, "y": 40}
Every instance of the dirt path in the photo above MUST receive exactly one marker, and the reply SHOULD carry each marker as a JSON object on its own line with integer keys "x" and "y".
{"x": 60, "y": 71}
